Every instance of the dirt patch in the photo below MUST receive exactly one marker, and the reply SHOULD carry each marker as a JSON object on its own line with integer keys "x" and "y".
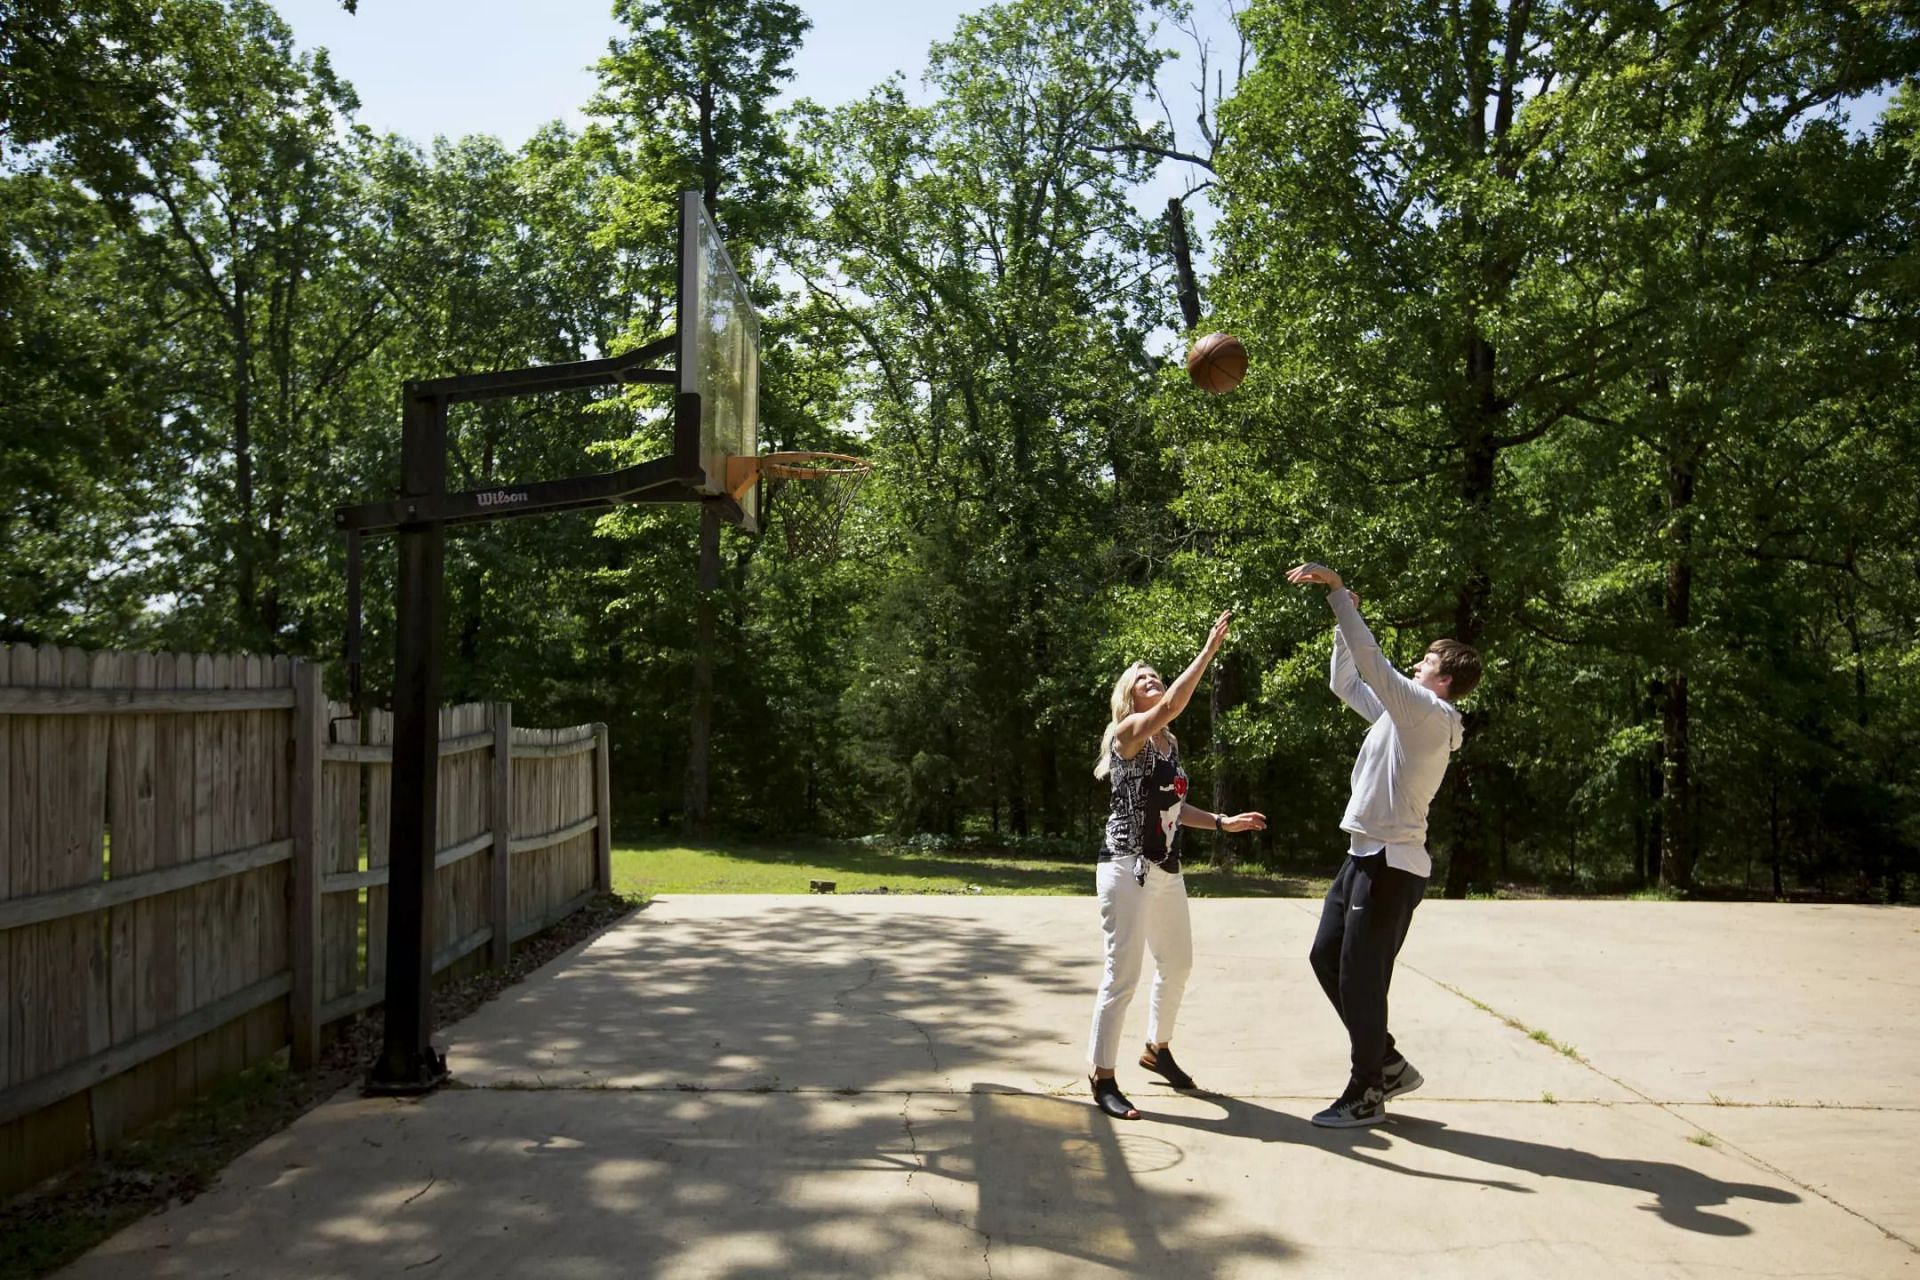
{"x": 175, "y": 1160}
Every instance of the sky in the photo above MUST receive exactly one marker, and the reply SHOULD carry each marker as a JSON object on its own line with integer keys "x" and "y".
{"x": 424, "y": 68}
{"x": 506, "y": 67}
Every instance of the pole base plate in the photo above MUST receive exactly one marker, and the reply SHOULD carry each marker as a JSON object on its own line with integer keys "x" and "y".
{"x": 411, "y": 1075}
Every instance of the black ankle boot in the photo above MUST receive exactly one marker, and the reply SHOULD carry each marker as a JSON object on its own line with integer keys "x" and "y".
{"x": 1107, "y": 1096}
{"x": 1161, "y": 1063}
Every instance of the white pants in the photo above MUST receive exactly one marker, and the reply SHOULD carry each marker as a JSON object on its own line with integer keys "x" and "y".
{"x": 1136, "y": 917}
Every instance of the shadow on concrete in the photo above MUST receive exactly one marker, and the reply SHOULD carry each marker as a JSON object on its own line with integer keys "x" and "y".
{"x": 1682, "y": 1196}
{"x": 1055, "y": 1174}
{"x": 599, "y": 1185}
{"x": 1242, "y": 1119}
{"x": 805, "y": 997}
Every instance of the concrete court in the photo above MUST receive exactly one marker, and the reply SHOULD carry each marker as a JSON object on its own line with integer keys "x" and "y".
{"x": 891, "y": 1086}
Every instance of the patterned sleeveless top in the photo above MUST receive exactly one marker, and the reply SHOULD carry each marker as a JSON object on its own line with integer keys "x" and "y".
{"x": 1144, "y": 825}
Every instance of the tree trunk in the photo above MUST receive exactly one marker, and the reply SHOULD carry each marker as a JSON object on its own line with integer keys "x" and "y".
{"x": 245, "y": 551}
{"x": 1222, "y": 696}
{"x": 1773, "y": 807}
{"x": 1679, "y": 846}
{"x": 1656, "y": 806}
{"x": 1052, "y": 822}
{"x": 1186, "y": 287}
{"x": 694, "y": 812}
{"x": 1467, "y": 860}
{"x": 1017, "y": 820}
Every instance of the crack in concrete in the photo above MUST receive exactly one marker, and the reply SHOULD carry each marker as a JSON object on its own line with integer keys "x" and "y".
{"x": 873, "y": 972}
{"x": 913, "y": 1149}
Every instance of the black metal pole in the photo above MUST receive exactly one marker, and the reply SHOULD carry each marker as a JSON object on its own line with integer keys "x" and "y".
{"x": 408, "y": 1061}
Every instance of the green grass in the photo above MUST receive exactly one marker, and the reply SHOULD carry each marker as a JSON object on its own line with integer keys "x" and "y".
{"x": 654, "y": 870}
{"x": 1535, "y": 1034}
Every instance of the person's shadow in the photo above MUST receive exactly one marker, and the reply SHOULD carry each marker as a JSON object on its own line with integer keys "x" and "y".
{"x": 1681, "y": 1195}
{"x": 1243, "y": 1119}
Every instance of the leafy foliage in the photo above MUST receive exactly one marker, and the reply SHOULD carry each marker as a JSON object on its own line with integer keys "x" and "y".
{"x": 1586, "y": 334}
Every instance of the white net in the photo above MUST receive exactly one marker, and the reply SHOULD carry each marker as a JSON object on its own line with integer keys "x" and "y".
{"x": 810, "y": 495}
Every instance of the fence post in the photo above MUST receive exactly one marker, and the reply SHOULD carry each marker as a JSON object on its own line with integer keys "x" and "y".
{"x": 501, "y": 884}
{"x": 303, "y": 929}
{"x": 603, "y": 809}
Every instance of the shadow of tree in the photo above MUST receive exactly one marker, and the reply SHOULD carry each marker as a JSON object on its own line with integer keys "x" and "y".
{"x": 826, "y": 997}
{"x": 669, "y": 1101}
{"x": 1055, "y": 1174}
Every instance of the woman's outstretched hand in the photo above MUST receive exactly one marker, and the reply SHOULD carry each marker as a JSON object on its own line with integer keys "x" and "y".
{"x": 1218, "y": 636}
{"x": 1243, "y": 822}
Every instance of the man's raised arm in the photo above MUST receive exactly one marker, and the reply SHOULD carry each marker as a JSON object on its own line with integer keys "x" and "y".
{"x": 1344, "y": 679}
{"x": 1398, "y": 696}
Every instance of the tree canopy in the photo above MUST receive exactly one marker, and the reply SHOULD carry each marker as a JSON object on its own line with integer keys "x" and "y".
{"x": 1585, "y": 334}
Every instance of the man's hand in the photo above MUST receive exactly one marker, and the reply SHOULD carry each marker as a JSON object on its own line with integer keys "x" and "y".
{"x": 1243, "y": 822}
{"x": 1315, "y": 573}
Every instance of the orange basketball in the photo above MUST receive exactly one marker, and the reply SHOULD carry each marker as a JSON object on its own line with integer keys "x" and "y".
{"x": 1217, "y": 363}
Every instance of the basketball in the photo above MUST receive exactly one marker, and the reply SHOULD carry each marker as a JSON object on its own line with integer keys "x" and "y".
{"x": 1217, "y": 363}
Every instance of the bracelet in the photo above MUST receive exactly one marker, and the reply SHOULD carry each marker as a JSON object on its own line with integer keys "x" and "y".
{"x": 1219, "y": 822}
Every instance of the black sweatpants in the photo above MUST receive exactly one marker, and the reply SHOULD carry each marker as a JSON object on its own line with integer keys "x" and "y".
{"x": 1362, "y": 925}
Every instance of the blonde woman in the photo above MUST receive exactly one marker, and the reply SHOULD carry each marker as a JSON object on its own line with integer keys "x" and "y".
{"x": 1143, "y": 899}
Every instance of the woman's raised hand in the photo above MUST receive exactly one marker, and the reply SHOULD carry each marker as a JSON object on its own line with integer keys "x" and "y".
{"x": 1218, "y": 636}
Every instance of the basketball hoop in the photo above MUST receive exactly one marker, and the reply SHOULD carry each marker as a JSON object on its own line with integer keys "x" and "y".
{"x": 811, "y": 491}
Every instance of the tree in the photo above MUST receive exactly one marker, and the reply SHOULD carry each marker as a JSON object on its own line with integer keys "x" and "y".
{"x": 985, "y": 249}
{"x": 86, "y": 445}
{"x": 691, "y": 90}
{"x": 1446, "y": 225}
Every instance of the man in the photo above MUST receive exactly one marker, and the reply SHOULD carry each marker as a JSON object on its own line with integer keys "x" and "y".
{"x": 1416, "y": 728}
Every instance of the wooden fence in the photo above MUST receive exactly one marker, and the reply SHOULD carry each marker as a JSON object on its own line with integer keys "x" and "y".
{"x": 193, "y": 872}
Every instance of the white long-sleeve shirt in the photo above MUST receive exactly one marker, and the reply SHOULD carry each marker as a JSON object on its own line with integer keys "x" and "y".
{"x": 1400, "y": 766}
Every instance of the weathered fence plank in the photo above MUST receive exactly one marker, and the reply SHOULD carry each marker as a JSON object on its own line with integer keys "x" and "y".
{"x": 193, "y": 868}
{"x": 500, "y": 822}
{"x": 309, "y": 838}
{"x": 603, "y": 808}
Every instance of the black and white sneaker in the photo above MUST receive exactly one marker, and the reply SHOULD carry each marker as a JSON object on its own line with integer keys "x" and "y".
{"x": 1402, "y": 1078}
{"x": 1356, "y": 1108}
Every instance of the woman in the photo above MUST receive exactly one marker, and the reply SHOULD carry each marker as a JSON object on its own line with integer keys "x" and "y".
{"x": 1143, "y": 899}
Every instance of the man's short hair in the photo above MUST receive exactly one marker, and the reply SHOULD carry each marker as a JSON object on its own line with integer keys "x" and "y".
{"x": 1460, "y": 663}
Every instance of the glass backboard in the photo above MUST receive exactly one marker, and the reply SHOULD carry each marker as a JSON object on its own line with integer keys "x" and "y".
{"x": 719, "y": 351}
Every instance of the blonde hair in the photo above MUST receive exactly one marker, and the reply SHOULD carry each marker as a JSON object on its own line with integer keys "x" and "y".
{"x": 1122, "y": 702}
